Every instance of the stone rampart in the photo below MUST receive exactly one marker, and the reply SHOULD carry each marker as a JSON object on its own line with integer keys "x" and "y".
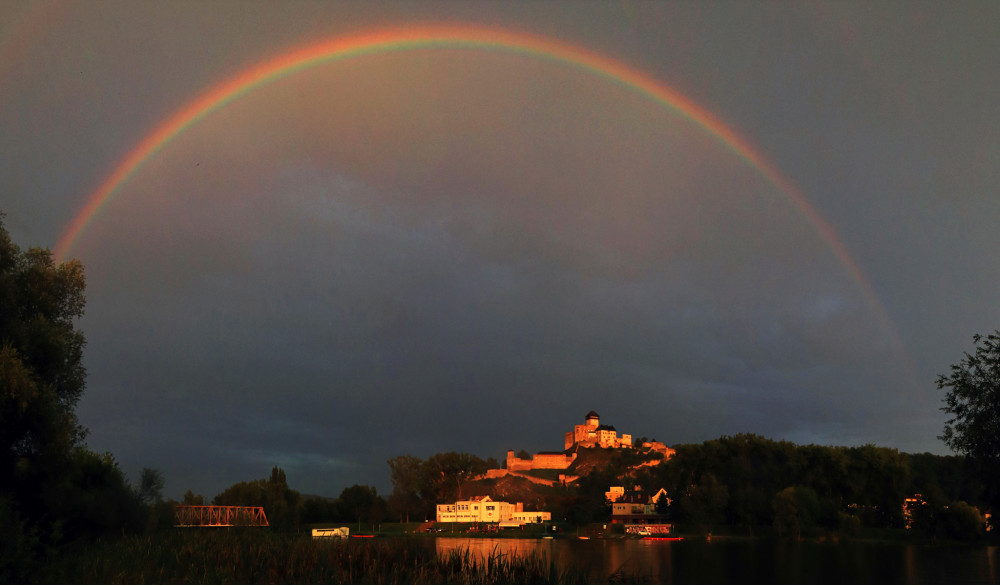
{"x": 540, "y": 461}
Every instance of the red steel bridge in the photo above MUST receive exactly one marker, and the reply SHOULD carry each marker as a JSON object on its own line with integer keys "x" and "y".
{"x": 220, "y": 516}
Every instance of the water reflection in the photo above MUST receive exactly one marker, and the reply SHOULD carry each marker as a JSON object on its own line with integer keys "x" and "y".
{"x": 743, "y": 561}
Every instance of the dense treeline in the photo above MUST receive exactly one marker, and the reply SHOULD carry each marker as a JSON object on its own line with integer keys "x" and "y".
{"x": 743, "y": 482}
{"x": 357, "y": 503}
{"x": 288, "y": 511}
{"x": 748, "y": 481}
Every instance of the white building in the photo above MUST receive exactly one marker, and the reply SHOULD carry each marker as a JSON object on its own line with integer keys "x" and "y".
{"x": 485, "y": 509}
{"x": 531, "y": 517}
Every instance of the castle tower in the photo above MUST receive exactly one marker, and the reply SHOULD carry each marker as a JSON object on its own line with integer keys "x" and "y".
{"x": 584, "y": 434}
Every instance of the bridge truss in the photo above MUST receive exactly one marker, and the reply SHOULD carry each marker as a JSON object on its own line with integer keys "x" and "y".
{"x": 220, "y": 516}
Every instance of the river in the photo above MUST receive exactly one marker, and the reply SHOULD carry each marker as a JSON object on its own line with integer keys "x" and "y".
{"x": 760, "y": 561}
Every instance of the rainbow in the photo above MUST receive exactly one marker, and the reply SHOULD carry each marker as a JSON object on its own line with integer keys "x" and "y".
{"x": 23, "y": 29}
{"x": 446, "y": 36}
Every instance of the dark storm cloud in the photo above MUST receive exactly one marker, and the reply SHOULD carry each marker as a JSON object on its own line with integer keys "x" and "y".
{"x": 461, "y": 250}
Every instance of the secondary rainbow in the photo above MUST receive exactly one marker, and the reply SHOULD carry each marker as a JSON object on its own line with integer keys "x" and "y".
{"x": 389, "y": 40}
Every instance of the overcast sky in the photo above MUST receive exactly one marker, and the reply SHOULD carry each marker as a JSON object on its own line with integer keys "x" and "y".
{"x": 469, "y": 248}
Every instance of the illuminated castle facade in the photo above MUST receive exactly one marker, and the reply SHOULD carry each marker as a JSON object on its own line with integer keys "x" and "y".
{"x": 593, "y": 434}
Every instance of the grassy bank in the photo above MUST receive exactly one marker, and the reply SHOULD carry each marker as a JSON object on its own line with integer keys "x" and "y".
{"x": 251, "y": 556}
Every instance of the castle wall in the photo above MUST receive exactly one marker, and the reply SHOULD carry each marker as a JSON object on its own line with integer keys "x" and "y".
{"x": 590, "y": 434}
{"x": 515, "y": 464}
{"x": 552, "y": 460}
{"x": 540, "y": 461}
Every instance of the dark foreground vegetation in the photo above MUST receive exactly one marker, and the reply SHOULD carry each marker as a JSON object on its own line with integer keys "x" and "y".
{"x": 252, "y": 556}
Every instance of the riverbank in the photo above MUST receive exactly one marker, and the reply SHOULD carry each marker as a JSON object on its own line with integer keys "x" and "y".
{"x": 606, "y": 531}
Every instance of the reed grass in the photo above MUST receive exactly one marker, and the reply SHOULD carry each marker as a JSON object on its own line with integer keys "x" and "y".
{"x": 249, "y": 556}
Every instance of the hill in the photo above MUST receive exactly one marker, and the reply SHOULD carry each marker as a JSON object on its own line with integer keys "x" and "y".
{"x": 512, "y": 489}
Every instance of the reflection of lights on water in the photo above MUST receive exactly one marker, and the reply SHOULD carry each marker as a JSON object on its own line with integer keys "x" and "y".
{"x": 991, "y": 564}
{"x": 603, "y": 557}
{"x": 487, "y": 547}
{"x": 725, "y": 561}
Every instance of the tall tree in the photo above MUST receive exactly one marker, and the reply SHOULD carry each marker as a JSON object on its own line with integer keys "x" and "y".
{"x": 150, "y": 486}
{"x": 357, "y": 502}
{"x": 406, "y": 474}
{"x": 41, "y": 371}
{"x": 973, "y": 400}
{"x": 795, "y": 509}
{"x": 284, "y": 503}
{"x": 443, "y": 474}
{"x": 41, "y": 379}
{"x": 192, "y": 499}
{"x": 51, "y": 488}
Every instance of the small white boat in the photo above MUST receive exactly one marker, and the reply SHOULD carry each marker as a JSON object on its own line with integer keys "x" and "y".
{"x": 342, "y": 532}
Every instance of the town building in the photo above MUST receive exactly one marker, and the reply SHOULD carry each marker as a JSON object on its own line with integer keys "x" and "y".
{"x": 531, "y": 517}
{"x": 485, "y": 509}
{"x": 615, "y": 492}
{"x": 913, "y": 503}
{"x": 910, "y": 506}
{"x": 636, "y": 507}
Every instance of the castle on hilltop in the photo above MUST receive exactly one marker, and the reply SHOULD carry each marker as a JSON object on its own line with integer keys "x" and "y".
{"x": 589, "y": 435}
{"x": 593, "y": 434}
